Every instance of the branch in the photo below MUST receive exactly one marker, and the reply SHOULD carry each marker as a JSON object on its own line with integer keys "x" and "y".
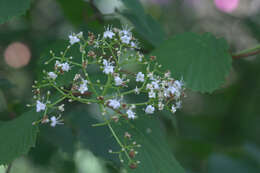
{"x": 247, "y": 53}
{"x": 87, "y": 93}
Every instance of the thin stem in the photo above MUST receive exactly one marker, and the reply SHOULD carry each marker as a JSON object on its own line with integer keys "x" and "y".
{"x": 58, "y": 101}
{"x": 100, "y": 124}
{"x": 118, "y": 141}
{"x": 71, "y": 62}
{"x": 114, "y": 135}
{"x": 247, "y": 52}
{"x": 58, "y": 89}
{"x": 8, "y": 170}
{"x": 92, "y": 86}
{"x": 107, "y": 84}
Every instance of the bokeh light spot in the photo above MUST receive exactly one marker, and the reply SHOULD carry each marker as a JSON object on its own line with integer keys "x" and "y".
{"x": 227, "y": 6}
{"x": 17, "y": 55}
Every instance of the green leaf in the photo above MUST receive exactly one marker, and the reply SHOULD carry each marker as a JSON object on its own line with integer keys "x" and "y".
{"x": 17, "y": 137}
{"x": 96, "y": 139}
{"x": 12, "y": 8}
{"x": 60, "y": 136}
{"x": 203, "y": 61}
{"x": 154, "y": 155}
{"x": 134, "y": 5}
{"x": 144, "y": 24}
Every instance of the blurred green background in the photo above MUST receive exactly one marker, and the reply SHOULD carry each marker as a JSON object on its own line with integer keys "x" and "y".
{"x": 218, "y": 132}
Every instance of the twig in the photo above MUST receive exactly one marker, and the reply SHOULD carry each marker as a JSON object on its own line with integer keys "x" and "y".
{"x": 247, "y": 53}
{"x": 87, "y": 93}
{"x": 8, "y": 170}
{"x": 127, "y": 72}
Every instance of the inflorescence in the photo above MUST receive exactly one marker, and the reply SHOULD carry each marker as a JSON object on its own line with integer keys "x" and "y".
{"x": 109, "y": 53}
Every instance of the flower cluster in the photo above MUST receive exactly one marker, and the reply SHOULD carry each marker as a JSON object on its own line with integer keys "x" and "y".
{"x": 110, "y": 54}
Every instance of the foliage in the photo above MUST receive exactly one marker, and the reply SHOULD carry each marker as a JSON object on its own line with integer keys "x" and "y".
{"x": 203, "y": 61}
{"x": 10, "y": 9}
{"x": 144, "y": 23}
{"x": 17, "y": 137}
{"x": 210, "y": 133}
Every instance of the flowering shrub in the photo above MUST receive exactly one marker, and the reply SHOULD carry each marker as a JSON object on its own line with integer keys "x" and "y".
{"x": 105, "y": 54}
{"x": 117, "y": 98}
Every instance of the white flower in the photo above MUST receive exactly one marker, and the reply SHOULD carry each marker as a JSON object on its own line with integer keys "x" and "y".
{"x": 178, "y": 104}
{"x": 152, "y": 94}
{"x": 65, "y": 66}
{"x": 155, "y": 85}
{"x": 52, "y": 75}
{"x": 125, "y": 31}
{"x": 114, "y": 103}
{"x": 151, "y": 77}
{"x": 133, "y": 44}
{"x": 108, "y": 33}
{"x": 118, "y": 81}
{"x": 178, "y": 84}
{"x": 173, "y": 109}
{"x": 167, "y": 74}
{"x": 131, "y": 114}
{"x": 55, "y": 121}
{"x": 149, "y": 86}
{"x": 77, "y": 76}
{"x": 61, "y": 108}
{"x": 149, "y": 109}
{"x": 40, "y": 106}
{"x": 108, "y": 67}
{"x": 73, "y": 39}
{"x": 137, "y": 90}
{"x": 83, "y": 87}
{"x": 177, "y": 94}
{"x": 171, "y": 90}
{"x": 139, "y": 77}
{"x": 160, "y": 106}
{"x": 57, "y": 64}
{"x": 125, "y": 39}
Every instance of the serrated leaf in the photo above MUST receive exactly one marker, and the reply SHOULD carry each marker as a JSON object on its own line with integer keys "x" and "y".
{"x": 154, "y": 155}
{"x": 17, "y": 137}
{"x": 12, "y": 8}
{"x": 202, "y": 60}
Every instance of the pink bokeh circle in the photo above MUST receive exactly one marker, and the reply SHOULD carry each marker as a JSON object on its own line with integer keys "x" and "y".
{"x": 227, "y": 6}
{"x": 17, "y": 55}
